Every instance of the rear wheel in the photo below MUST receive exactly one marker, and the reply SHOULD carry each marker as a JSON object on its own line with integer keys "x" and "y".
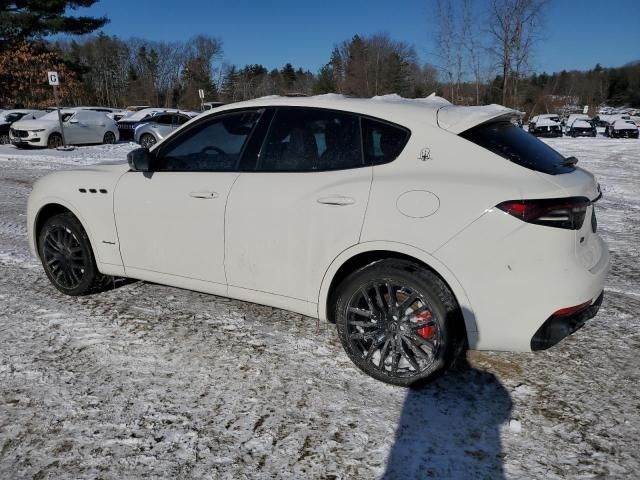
{"x": 67, "y": 257}
{"x": 147, "y": 140}
{"x": 109, "y": 138}
{"x": 54, "y": 141}
{"x": 397, "y": 322}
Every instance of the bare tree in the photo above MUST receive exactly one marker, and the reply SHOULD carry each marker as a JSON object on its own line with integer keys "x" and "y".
{"x": 449, "y": 40}
{"x": 472, "y": 44}
{"x": 514, "y": 26}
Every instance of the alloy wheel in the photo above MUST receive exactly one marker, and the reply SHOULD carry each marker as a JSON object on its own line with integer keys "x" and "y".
{"x": 64, "y": 257}
{"x": 147, "y": 140}
{"x": 393, "y": 328}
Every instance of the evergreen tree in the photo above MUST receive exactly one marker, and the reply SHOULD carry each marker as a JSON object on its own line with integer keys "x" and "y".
{"x": 25, "y": 20}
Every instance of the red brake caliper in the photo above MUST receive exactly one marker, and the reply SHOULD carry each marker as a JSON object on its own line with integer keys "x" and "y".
{"x": 428, "y": 331}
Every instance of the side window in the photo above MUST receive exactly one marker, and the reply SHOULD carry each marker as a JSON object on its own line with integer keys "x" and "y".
{"x": 214, "y": 144}
{"x": 304, "y": 140}
{"x": 164, "y": 119}
{"x": 382, "y": 142}
{"x": 182, "y": 119}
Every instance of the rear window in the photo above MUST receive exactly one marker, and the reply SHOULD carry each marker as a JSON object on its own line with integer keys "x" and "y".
{"x": 516, "y": 145}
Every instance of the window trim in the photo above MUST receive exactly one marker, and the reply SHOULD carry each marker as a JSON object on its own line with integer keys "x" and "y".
{"x": 208, "y": 119}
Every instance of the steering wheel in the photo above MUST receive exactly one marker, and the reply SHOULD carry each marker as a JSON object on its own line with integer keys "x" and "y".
{"x": 219, "y": 151}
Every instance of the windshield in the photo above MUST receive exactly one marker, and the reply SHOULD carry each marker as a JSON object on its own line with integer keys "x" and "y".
{"x": 54, "y": 115}
{"x": 518, "y": 146}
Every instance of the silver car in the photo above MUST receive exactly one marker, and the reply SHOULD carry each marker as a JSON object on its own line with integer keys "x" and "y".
{"x": 158, "y": 126}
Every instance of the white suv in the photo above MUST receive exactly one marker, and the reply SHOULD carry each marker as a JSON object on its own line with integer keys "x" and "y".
{"x": 417, "y": 226}
{"x": 80, "y": 126}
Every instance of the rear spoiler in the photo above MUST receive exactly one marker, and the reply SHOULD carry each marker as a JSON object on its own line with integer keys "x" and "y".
{"x": 459, "y": 119}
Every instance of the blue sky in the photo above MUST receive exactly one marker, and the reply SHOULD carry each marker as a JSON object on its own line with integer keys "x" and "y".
{"x": 579, "y": 33}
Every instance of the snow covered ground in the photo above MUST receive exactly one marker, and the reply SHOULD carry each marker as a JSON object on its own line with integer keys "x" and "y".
{"x": 152, "y": 381}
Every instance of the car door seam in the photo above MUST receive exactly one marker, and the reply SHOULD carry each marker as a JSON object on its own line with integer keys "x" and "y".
{"x": 366, "y": 208}
{"x": 224, "y": 229}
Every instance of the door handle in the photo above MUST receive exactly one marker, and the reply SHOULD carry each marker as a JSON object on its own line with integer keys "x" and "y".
{"x": 338, "y": 200}
{"x": 205, "y": 195}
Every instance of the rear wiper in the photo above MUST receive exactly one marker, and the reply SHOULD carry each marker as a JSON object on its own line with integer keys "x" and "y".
{"x": 569, "y": 162}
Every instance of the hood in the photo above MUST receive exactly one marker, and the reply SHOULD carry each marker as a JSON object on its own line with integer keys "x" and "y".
{"x": 581, "y": 124}
{"x": 34, "y": 124}
{"x": 623, "y": 125}
{"x": 459, "y": 119}
{"x": 546, "y": 122}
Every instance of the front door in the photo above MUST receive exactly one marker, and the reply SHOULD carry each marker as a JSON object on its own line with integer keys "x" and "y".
{"x": 171, "y": 221}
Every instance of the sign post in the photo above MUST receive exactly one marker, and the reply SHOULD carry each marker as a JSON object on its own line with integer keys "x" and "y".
{"x": 201, "y": 95}
{"x": 54, "y": 81}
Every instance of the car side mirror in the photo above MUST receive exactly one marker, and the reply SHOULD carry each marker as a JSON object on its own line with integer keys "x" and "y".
{"x": 74, "y": 121}
{"x": 139, "y": 160}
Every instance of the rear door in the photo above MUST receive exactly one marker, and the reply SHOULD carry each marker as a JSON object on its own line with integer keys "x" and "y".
{"x": 300, "y": 207}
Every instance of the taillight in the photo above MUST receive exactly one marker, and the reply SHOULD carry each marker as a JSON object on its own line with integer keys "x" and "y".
{"x": 553, "y": 212}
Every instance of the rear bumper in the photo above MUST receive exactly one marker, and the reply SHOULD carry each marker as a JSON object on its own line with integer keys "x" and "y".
{"x": 517, "y": 275}
{"x": 558, "y": 327}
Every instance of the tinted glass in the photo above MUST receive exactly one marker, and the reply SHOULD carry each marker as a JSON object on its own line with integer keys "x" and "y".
{"x": 182, "y": 119}
{"x": 382, "y": 142}
{"x": 518, "y": 146}
{"x": 163, "y": 119}
{"x": 13, "y": 117}
{"x": 213, "y": 145}
{"x": 311, "y": 140}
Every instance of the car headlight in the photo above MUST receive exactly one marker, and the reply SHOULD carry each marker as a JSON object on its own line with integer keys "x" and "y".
{"x": 36, "y": 131}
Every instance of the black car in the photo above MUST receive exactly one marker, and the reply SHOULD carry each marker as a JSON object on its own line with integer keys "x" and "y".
{"x": 7, "y": 118}
{"x": 545, "y": 126}
{"x": 621, "y": 129}
{"x": 581, "y": 128}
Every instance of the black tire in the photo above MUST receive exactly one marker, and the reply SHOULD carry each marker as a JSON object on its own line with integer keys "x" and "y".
{"x": 4, "y": 139}
{"x": 109, "y": 138}
{"x": 67, "y": 257}
{"x": 54, "y": 140}
{"x": 379, "y": 330}
{"x": 147, "y": 140}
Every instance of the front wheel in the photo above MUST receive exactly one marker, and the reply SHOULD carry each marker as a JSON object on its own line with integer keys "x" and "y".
{"x": 109, "y": 138}
{"x": 4, "y": 139}
{"x": 54, "y": 141}
{"x": 67, "y": 257}
{"x": 397, "y": 322}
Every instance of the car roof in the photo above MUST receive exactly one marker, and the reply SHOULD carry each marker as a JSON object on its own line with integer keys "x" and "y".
{"x": 432, "y": 110}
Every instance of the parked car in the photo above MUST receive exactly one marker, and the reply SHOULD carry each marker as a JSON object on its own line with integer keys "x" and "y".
{"x": 80, "y": 127}
{"x": 566, "y": 122}
{"x": 581, "y": 128}
{"x": 416, "y": 226}
{"x": 9, "y": 117}
{"x": 543, "y": 126}
{"x": 128, "y": 124}
{"x": 155, "y": 128}
{"x": 621, "y": 129}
